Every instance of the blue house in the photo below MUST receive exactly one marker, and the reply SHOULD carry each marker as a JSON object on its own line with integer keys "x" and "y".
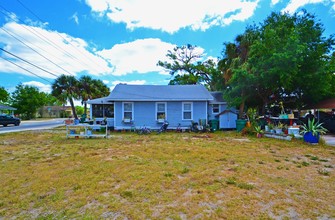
{"x": 130, "y": 106}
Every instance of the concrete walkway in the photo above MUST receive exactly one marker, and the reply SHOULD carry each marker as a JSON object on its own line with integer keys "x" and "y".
{"x": 330, "y": 139}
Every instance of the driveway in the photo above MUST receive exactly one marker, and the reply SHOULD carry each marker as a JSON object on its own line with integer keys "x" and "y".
{"x": 330, "y": 139}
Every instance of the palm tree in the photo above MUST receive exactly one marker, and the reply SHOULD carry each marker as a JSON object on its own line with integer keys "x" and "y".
{"x": 235, "y": 65}
{"x": 90, "y": 89}
{"x": 100, "y": 89}
{"x": 65, "y": 88}
{"x": 86, "y": 88}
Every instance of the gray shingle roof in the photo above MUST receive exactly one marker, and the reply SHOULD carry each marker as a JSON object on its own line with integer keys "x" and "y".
{"x": 218, "y": 97}
{"x": 5, "y": 107}
{"x": 123, "y": 92}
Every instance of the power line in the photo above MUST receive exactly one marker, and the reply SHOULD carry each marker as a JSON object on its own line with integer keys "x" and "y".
{"x": 28, "y": 62}
{"x": 36, "y": 51}
{"x": 45, "y": 39}
{"x": 102, "y": 68}
{"x": 40, "y": 36}
{"x": 25, "y": 69}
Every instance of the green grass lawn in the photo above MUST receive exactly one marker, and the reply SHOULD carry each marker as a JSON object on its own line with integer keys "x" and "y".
{"x": 219, "y": 175}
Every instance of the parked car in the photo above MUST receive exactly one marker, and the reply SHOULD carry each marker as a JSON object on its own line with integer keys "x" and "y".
{"x": 327, "y": 120}
{"x": 8, "y": 119}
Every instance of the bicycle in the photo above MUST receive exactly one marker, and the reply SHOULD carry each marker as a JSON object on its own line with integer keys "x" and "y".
{"x": 178, "y": 129}
{"x": 144, "y": 130}
{"x": 163, "y": 127}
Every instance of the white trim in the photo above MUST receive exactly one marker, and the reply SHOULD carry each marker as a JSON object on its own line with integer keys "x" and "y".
{"x": 182, "y": 111}
{"x": 114, "y": 114}
{"x": 132, "y": 110}
{"x": 159, "y": 100}
{"x": 165, "y": 110}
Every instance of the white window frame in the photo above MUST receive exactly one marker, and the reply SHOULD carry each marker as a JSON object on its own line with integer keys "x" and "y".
{"x": 218, "y": 108}
{"x": 183, "y": 111}
{"x": 165, "y": 109}
{"x": 132, "y": 110}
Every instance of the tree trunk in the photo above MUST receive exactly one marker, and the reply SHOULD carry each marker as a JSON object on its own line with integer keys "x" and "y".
{"x": 73, "y": 109}
{"x": 241, "y": 109}
{"x": 85, "y": 108}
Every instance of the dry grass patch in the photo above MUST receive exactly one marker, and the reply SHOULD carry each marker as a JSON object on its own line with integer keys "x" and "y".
{"x": 172, "y": 175}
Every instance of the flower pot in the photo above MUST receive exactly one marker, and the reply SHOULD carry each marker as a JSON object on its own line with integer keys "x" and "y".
{"x": 279, "y": 131}
{"x": 310, "y": 138}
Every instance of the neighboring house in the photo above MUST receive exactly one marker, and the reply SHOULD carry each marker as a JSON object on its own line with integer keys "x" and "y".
{"x": 7, "y": 109}
{"x": 54, "y": 112}
{"x": 130, "y": 106}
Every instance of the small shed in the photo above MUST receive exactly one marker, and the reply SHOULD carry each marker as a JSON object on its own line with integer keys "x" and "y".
{"x": 219, "y": 110}
{"x": 227, "y": 119}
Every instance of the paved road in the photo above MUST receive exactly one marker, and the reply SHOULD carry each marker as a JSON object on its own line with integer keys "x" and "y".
{"x": 33, "y": 125}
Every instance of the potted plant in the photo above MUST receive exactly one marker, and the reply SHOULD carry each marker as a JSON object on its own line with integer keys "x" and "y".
{"x": 259, "y": 131}
{"x": 279, "y": 128}
{"x": 312, "y": 130}
{"x": 271, "y": 127}
{"x": 161, "y": 118}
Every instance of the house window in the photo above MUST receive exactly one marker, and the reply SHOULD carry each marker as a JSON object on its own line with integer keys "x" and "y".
{"x": 216, "y": 108}
{"x": 161, "y": 110}
{"x": 103, "y": 110}
{"x": 187, "y": 110}
{"x": 97, "y": 111}
{"x": 128, "y": 110}
{"x": 109, "y": 110}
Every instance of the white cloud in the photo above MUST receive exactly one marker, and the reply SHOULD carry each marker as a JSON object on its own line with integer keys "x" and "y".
{"x": 65, "y": 54}
{"x": 274, "y": 2}
{"x": 133, "y": 82}
{"x": 75, "y": 18}
{"x": 42, "y": 87}
{"x": 170, "y": 16}
{"x": 294, "y": 5}
{"x": 140, "y": 56}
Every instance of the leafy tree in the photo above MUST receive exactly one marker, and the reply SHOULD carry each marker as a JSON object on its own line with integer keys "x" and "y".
{"x": 285, "y": 59}
{"x": 4, "y": 95}
{"x": 288, "y": 59}
{"x": 51, "y": 100}
{"x": 90, "y": 89}
{"x": 80, "y": 110}
{"x": 27, "y": 100}
{"x": 186, "y": 67}
{"x": 66, "y": 88}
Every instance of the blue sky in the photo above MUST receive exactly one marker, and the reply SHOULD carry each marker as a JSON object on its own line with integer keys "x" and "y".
{"x": 122, "y": 40}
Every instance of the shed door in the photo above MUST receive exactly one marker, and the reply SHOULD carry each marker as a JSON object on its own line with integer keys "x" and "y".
{"x": 228, "y": 120}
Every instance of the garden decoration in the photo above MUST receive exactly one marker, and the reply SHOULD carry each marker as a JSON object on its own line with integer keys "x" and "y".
{"x": 312, "y": 131}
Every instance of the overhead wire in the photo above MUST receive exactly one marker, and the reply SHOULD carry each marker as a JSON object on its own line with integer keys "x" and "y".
{"x": 25, "y": 69}
{"x": 40, "y": 36}
{"x": 8, "y": 32}
{"x": 28, "y": 62}
{"x": 70, "y": 43}
{"x": 45, "y": 39}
